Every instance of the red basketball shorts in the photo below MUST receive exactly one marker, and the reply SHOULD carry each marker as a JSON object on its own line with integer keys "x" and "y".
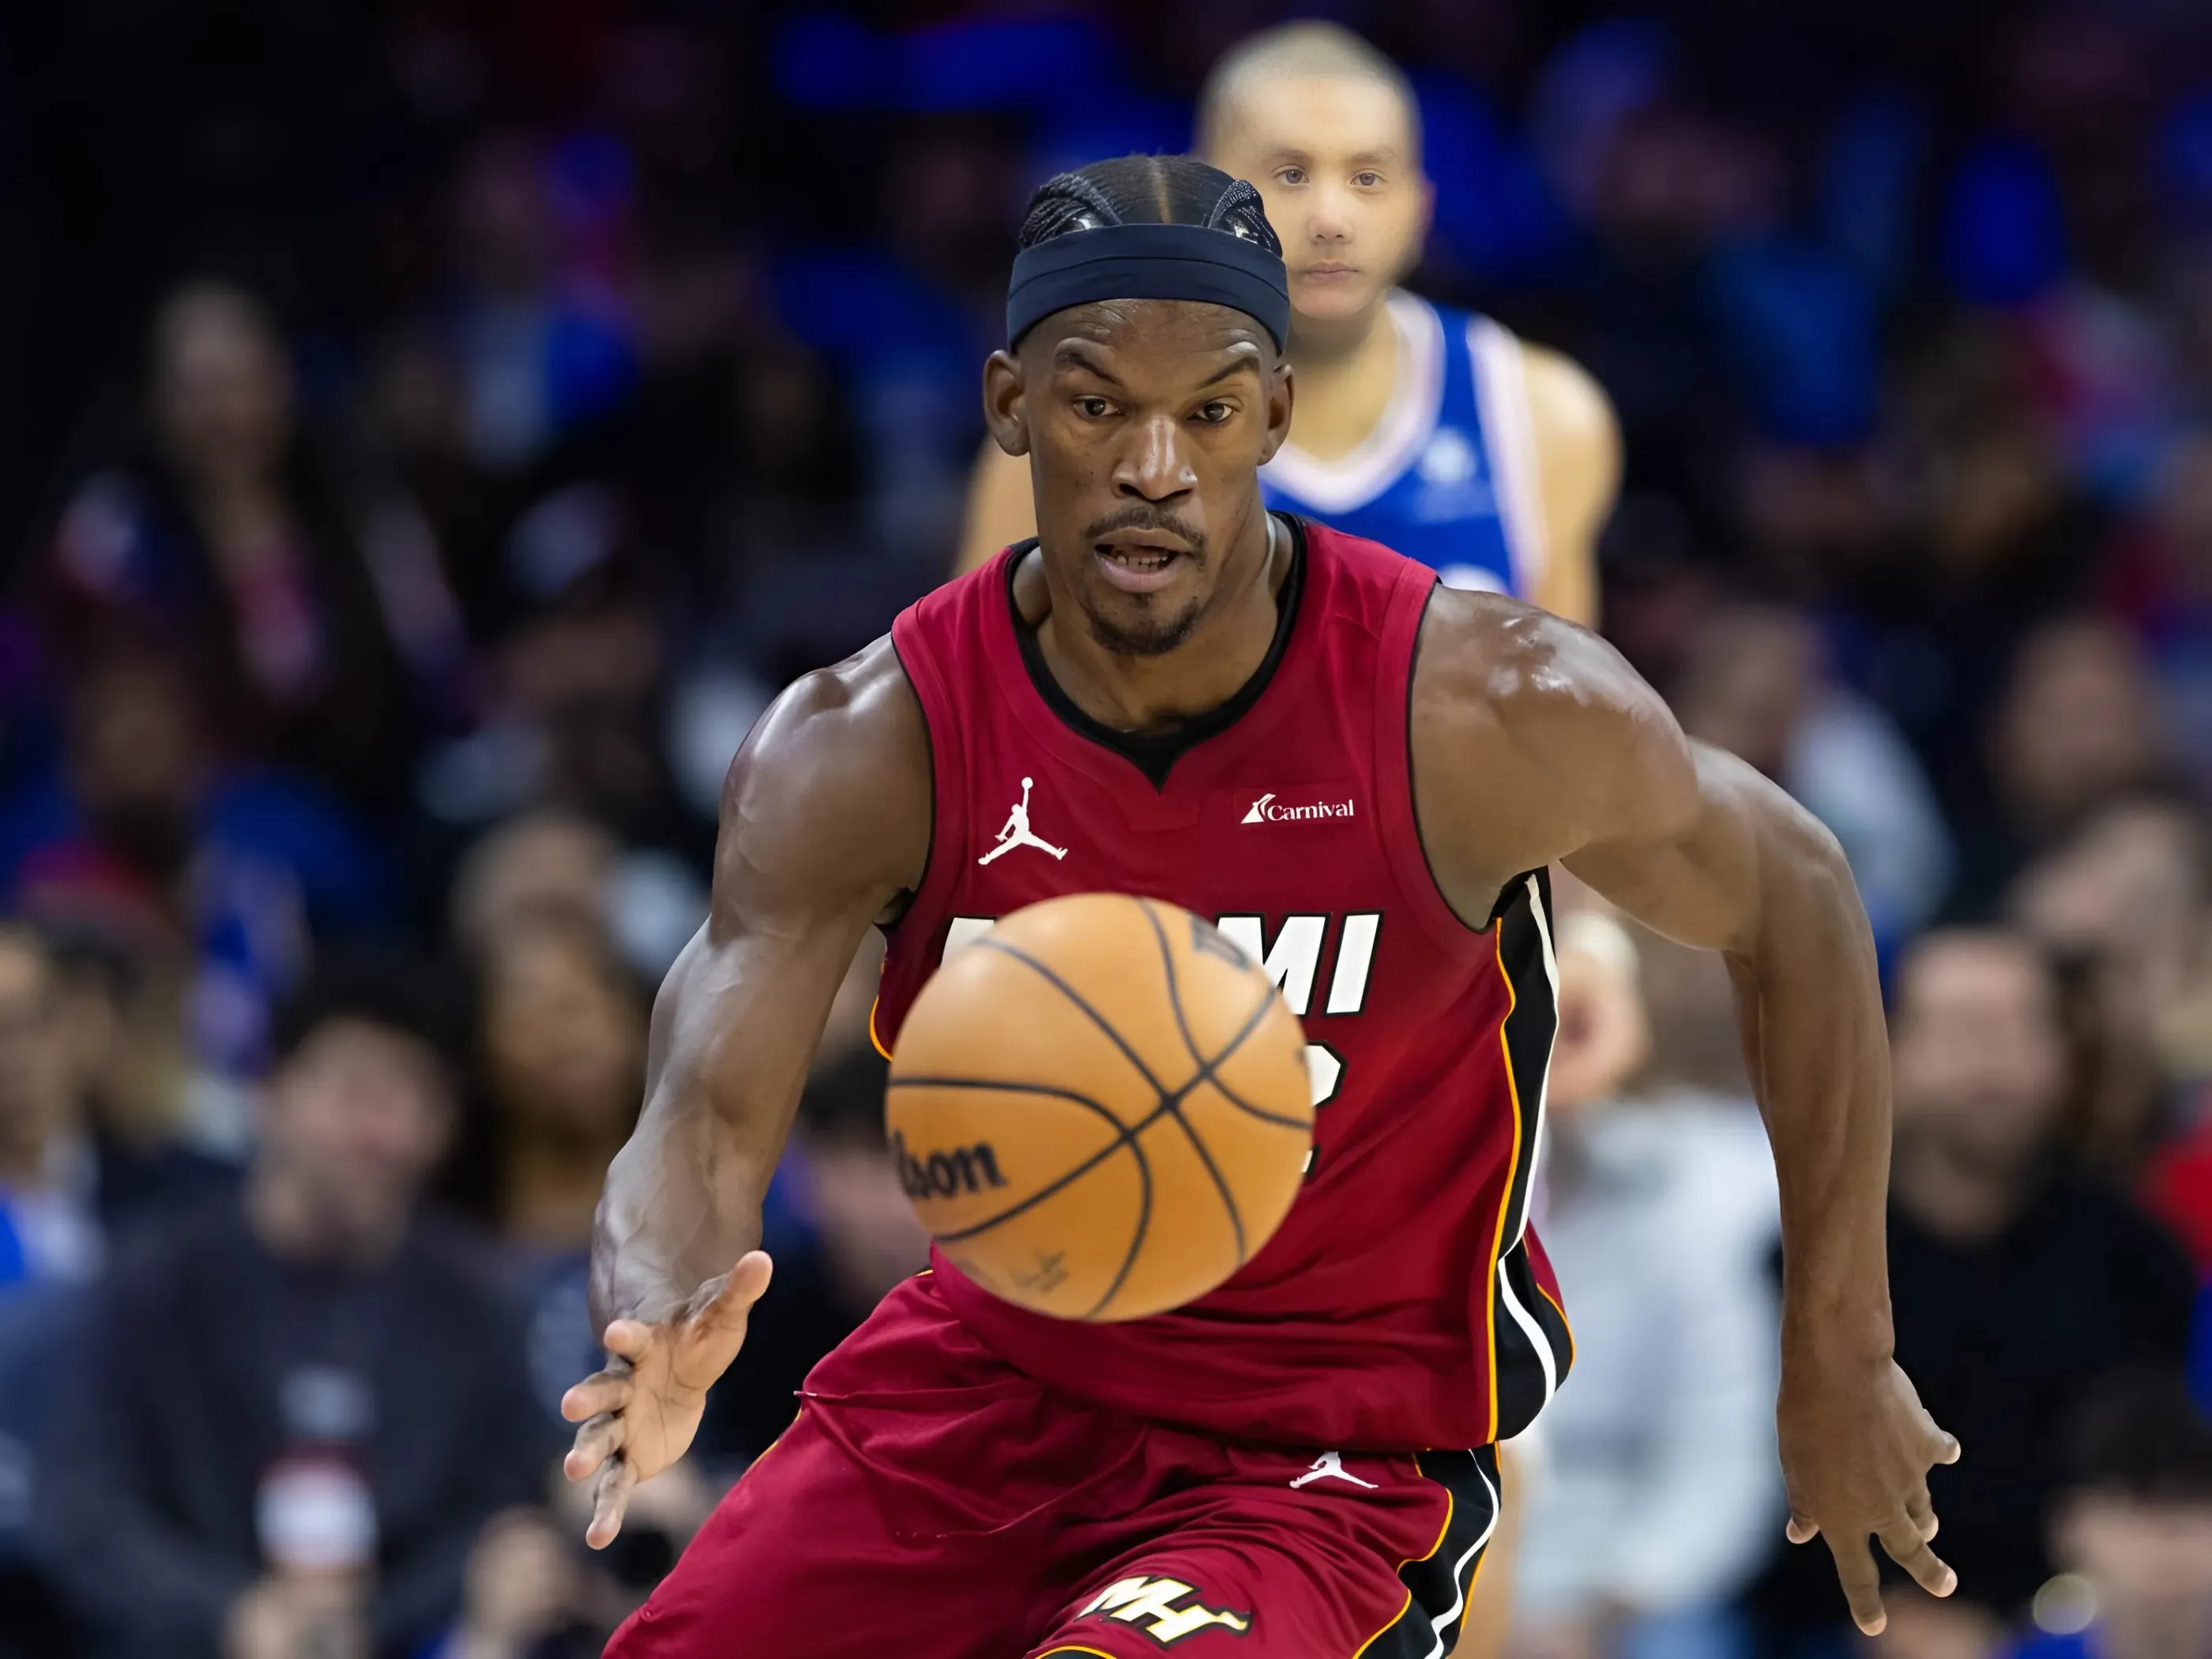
{"x": 932, "y": 1503}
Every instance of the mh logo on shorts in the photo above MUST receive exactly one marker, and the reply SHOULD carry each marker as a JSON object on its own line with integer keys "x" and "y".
{"x": 1150, "y": 1605}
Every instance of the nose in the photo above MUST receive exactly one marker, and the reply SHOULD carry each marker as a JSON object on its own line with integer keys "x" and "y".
{"x": 1328, "y": 218}
{"x": 1153, "y": 467}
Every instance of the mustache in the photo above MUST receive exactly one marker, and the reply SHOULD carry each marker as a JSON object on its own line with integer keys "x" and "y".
{"x": 1139, "y": 515}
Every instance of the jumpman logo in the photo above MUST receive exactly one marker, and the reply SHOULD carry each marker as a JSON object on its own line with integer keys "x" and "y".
{"x": 1330, "y": 1466}
{"x": 1017, "y": 832}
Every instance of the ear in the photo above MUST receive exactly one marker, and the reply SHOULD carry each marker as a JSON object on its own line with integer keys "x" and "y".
{"x": 1280, "y": 400}
{"x": 1004, "y": 412}
{"x": 1428, "y": 219}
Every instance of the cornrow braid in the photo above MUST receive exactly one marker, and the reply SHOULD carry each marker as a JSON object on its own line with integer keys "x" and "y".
{"x": 1141, "y": 190}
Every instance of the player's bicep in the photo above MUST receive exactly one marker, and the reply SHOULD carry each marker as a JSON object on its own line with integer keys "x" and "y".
{"x": 825, "y": 819}
{"x": 1695, "y": 870}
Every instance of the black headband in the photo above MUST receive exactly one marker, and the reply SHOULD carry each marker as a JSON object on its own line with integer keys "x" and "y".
{"x": 1149, "y": 262}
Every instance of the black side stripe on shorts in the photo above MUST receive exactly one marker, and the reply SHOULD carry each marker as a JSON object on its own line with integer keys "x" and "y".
{"x": 1439, "y": 1582}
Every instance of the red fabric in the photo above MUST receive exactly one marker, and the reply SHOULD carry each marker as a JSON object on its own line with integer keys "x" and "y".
{"x": 2176, "y": 1186}
{"x": 1372, "y": 1317}
{"x": 933, "y": 1503}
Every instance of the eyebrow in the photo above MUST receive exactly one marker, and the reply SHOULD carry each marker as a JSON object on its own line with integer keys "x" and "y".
{"x": 1248, "y": 358}
{"x": 1074, "y": 354}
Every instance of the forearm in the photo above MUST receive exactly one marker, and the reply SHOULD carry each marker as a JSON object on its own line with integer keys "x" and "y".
{"x": 683, "y": 1197}
{"x": 1809, "y": 1009}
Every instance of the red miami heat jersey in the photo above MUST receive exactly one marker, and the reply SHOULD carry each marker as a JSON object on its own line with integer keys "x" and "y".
{"x": 1403, "y": 1304}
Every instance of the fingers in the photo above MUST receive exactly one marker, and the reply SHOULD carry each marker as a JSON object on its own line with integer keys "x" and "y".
{"x": 1909, "y": 1550}
{"x": 609, "y": 1390}
{"x": 610, "y": 1500}
{"x": 1920, "y": 1509}
{"x": 1801, "y": 1530}
{"x": 628, "y": 1339}
{"x": 603, "y": 1437}
{"x": 1950, "y": 1451}
{"x": 1855, "y": 1570}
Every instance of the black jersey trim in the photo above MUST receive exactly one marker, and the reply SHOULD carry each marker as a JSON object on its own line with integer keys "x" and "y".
{"x": 903, "y": 901}
{"x": 1437, "y": 1585}
{"x": 1155, "y": 753}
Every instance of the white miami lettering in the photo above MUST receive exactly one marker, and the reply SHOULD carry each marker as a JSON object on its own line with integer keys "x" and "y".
{"x": 1150, "y": 1604}
{"x": 1292, "y": 961}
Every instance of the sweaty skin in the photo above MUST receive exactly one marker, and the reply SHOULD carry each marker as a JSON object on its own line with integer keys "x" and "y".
{"x": 1532, "y": 741}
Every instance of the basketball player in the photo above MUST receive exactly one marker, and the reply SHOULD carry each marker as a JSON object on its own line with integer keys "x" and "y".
{"x": 1436, "y": 433}
{"x": 1299, "y": 1464}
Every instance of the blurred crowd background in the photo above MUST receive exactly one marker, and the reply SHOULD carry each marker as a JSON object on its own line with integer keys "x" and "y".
{"x": 431, "y": 430}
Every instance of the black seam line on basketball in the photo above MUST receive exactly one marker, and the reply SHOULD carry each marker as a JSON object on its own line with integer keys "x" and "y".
{"x": 1209, "y": 1070}
{"x": 1077, "y": 998}
{"x": 1125, "y": 1135}
{"x": 1137, "y": 1240}
{"x": 1183, "y": 1024}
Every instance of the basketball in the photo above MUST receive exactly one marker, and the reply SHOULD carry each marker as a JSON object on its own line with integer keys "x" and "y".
{"x": 1100, "y": 1109}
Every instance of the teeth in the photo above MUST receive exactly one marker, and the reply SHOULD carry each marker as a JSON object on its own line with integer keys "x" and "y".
{"x": 1141, "y": 561}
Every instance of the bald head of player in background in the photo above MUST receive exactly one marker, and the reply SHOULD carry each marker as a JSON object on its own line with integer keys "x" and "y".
{"x": 1328, "y": 128}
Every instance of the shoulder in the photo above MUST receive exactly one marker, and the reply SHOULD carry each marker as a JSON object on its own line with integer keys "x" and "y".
{"x": 834, "y": 779}
{"x": 1543, "y": 692}
{"x": 1538, "y": 731}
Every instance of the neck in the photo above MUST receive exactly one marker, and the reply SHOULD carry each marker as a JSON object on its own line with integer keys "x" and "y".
{"x": 550, "y": 1189}
{"x": 1961, "y": 1198}
{"x": 1318, "y": 348}
{"x": 1225, "y": 649}
{"x": 1347, "y": 372}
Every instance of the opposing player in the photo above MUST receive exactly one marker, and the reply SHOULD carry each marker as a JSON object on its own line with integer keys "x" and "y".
{"x": 1301, "y": 1463}
{"x": 1435, "y": 432}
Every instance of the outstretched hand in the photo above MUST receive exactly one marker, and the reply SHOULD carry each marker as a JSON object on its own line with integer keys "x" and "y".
{"x": 638, "y": 1416}
{"x": 1856, "y": 1452}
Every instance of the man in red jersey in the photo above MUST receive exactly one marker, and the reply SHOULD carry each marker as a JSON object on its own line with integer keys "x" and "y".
{"x": 1362, "y": 777}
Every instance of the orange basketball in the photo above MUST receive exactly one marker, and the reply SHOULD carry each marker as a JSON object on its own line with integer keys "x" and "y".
{"x": 1100, "y": 1109}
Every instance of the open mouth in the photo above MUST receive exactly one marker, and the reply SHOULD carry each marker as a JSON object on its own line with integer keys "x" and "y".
{"x": 1138, "y": 567}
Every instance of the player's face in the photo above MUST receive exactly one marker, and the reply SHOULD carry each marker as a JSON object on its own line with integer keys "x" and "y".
{"x": 1335, "y": 160}
{"x": 1146, "y": 422}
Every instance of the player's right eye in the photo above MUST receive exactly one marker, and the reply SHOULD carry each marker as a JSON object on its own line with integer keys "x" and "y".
{"x": 1095, "y": 409}
{"x": 1289, "y": 175}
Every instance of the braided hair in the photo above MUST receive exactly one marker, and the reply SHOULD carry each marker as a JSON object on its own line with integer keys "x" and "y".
{"x": 1147, "y": 190}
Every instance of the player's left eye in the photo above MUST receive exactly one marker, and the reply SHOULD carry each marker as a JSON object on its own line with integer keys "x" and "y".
{"x": 1367, "y": 180}
{"x": 1215, "y": 413}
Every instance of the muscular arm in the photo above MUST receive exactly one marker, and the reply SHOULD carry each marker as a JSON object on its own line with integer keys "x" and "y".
{"x": 1533, "y": 741}
{"x": 1577, "y": 473}
{"x": 825, "y": 818}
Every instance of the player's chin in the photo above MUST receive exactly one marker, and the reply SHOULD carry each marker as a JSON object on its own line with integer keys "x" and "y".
{"x": 1334, "y": 300}
{"x": 1144, "y": 624}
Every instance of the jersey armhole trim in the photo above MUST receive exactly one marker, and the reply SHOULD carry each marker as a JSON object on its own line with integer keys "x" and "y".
{"x": 929, "y": 690}
{"x": 1401, "y": 817}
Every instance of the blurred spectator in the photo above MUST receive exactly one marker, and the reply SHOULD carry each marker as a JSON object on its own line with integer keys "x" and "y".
{"x": 1659, "y": 1489}
{"x": 560, "y": 1046}
{"x": 2133, "y": 1531}
{"x": 554, "y": 860}
{"x": 247, "y": 866}
{"x": 2124, "y": 900}
{"x": 534, "y": 322}
{"x": 1754, "y": 684}
{"x": 2017, "y": 1285}
{"x": 49, "y": 1220}
{"x": 303, "y": 610}
{"x": 2078, "y": 726}
{"x": 318, "y": 1475}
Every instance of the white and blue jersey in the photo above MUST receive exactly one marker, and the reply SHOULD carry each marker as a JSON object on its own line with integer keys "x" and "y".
{"x": 1449, "y": 474}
